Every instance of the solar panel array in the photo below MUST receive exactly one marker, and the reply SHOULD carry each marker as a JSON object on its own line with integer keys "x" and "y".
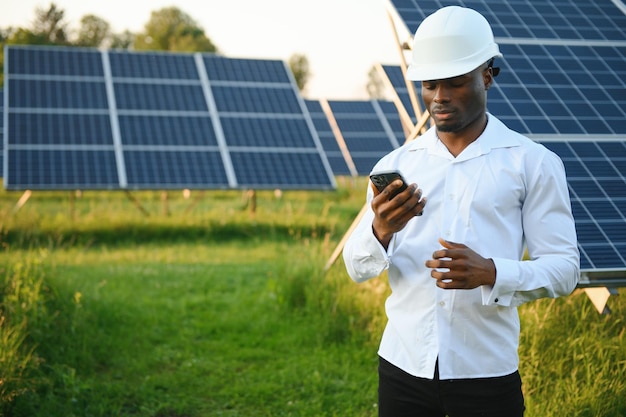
{"x": 563, "y": 84}
{"x": 370, "y": 129}
{"x": 89, "y": 119}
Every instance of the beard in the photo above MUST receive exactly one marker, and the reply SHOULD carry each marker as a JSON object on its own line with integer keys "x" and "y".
{"x": 449, "y": 127}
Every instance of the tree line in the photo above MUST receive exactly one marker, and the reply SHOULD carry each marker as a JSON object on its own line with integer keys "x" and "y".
{"x": 168, "y": 29}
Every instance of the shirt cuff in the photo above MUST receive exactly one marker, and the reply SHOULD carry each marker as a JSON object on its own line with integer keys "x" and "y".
{"x": 507, "y": 277}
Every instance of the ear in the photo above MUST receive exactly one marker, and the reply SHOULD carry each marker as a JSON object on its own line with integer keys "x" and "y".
{"x": 488, "y": 77}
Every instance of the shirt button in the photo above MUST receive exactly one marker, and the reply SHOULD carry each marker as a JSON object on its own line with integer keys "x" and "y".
{"x": 448, "y": 233}
{"x": 442, "y": 303}
{"x": 496, "y": 300}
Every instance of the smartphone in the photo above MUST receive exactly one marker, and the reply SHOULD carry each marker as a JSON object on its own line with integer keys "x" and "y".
{"x": 383, "y": 179}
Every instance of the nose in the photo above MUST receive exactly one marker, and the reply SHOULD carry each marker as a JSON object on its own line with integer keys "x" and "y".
{"x": 441, "y": 94}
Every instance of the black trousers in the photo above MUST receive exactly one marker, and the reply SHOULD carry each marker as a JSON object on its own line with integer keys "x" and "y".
{"x": 403, "y": 395}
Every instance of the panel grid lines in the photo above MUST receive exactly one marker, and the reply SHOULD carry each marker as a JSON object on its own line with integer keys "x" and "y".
{"x": 596, "y": 175}
{"x": 571, "y": 19}
{"x": 158, "y": 113}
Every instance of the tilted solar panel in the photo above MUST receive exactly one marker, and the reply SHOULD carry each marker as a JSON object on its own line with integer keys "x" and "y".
{"x": 531, "y": 19}
{"x": 327, "y": 138}
{"x": 561, "y": 89}
{"x": 596, "y": 176}
{"x": 397, "y": 80}
{"x": 81, "y": 118}
{"x": 563, "y": 84}
{"x": 555, "y": 89}
{"x": 370, "y": 129}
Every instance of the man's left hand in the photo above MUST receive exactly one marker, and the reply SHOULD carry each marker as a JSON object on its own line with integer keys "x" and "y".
{"x": 465, "y": 269}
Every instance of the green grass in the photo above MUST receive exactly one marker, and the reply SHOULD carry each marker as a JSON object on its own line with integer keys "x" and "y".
{"x": 214, "y": 311}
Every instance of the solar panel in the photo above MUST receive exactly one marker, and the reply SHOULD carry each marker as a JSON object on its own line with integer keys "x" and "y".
{"x": 596, "y": 175}
{"x": 560, "y": 19}
{"x": 370, "y": 129}
{"x": 89, "y": 119}
{"x": 398, "y": 82}
{"x": 561, "y": 89}
{"x": 564, "y": 66}
{"x": 327, "y": 138}
{"x": 562, "y": 84}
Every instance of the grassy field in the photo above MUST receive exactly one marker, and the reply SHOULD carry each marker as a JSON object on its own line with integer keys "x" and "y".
{"x": 208, "y": 309}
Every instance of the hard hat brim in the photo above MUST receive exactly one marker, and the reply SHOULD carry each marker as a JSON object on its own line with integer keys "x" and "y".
{"x": 437, "y": 71}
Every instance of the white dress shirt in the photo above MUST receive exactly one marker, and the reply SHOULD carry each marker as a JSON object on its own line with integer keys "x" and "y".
{"x": 503, "y": 194}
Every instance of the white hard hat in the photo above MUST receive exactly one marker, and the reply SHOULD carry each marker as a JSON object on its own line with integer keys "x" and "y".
{"x": 451, "y": 42}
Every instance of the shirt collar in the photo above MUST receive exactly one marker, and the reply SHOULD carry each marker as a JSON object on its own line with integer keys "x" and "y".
{"x": 496, "y": 135}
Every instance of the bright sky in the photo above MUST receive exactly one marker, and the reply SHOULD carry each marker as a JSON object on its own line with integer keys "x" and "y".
{"x": 342, "y": 39}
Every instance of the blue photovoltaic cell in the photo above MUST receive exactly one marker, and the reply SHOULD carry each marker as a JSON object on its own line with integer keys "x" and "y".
{"x": 53, "y": 94}
{"x": 393, "y": 118}
{"x": 596, "y": 176}
{"x": 157, "y": 120}
{"x": 256, "y": 100}
{"x": 158, "y": 130}
{"x": 159, "y": 97}
{"x": 267, "y": 132}
{"x": 63, "y": 169}
{"x": 57, "y": 61}
{"x": 367, "y": 132}
{"x": 398, "y": 81}
{"x": 540, "y": 89}
{"x": 144, "y": 65}
{"x": 327, "y": 138}
{"x": 561, "y": 19}
{"x": 167, "y": 169}
{"x": 60, "y": 129}
{"x": 245, "y": 70}
{"x": 259, "y": 169}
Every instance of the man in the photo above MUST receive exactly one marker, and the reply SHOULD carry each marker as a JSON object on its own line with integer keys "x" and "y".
{"x": 454, "y": 255}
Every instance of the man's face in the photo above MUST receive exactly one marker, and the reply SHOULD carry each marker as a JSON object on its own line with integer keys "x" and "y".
{"x": 459, "y": 102}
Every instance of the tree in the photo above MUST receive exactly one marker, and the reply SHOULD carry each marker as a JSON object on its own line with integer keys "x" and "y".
{"x": 301, "y": 70}
{"x": 122, "y": 40}
{"x": 93, "y": 31}
{"x": 171, "y": 29}
{"x": 49, "y": 25}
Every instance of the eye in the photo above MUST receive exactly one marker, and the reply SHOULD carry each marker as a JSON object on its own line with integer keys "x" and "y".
{"x": 429, "y": 85}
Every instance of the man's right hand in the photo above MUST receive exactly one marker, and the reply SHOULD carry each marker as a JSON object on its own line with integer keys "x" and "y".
{"x": 391, "y": 216}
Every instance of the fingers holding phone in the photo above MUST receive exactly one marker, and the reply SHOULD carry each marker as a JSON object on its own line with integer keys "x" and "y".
{"x": 394, "y": 204}
{"x": 392, "y": 183}
{"x": 381, "y": 180}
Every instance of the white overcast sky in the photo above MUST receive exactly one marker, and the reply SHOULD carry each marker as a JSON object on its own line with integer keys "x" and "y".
{"x": 342, "y": 39}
